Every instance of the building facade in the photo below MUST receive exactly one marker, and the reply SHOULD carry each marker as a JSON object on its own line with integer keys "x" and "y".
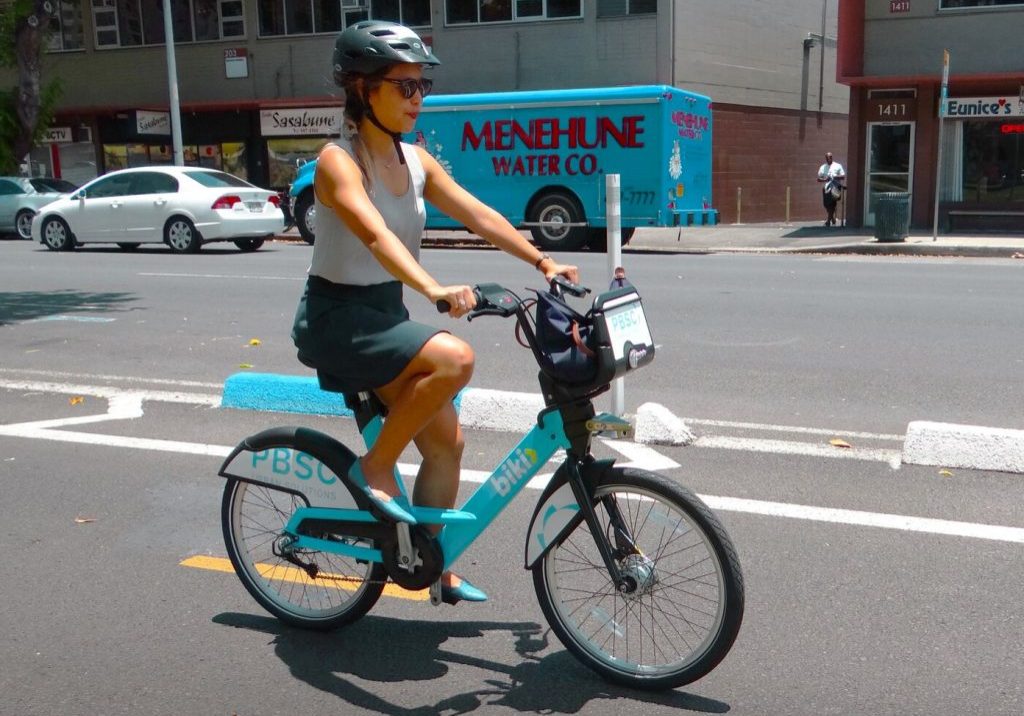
{"x": 892, "y": 55}
{"x": 254, "y": 78}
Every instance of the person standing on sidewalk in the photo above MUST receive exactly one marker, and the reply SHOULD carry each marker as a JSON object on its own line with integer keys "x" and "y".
{"x": 831, "y": 174}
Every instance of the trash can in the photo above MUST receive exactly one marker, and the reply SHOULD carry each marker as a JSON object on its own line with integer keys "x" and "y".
{"x": 892, "y": 216}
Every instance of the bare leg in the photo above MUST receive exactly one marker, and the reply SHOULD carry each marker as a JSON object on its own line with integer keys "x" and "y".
{"x": 440, "y": 370}
{"x": 441, "y": 444}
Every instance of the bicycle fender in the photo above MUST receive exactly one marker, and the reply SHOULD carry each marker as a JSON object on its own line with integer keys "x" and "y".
{"x": 557, "y": 511}
{"x": 299, "y": 460}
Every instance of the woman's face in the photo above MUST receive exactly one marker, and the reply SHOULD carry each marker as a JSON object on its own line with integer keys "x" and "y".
{"x": 389, "y": 102}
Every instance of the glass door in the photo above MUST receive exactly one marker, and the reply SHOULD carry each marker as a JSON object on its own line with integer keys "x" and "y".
{"x": 890, "y": 162}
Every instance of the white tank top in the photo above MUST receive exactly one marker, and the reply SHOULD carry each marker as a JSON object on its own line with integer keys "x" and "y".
{"x": 339, "y": 255}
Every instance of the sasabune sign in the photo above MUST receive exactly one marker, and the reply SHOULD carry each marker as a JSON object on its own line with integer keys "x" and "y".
{"x": 551, "y": 146}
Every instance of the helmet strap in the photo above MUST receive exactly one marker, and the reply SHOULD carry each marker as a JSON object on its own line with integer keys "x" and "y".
{"x": 396, "y": 137}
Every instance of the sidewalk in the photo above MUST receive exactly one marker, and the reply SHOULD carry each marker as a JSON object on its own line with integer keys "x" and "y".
{"x": 815, "y": 238}
{"x": 798, "y": 237}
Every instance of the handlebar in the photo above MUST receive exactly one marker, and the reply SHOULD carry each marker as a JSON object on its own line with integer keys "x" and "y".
{"x": 486, "y": 295}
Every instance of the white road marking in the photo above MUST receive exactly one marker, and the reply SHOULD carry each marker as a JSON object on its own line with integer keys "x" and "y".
{"x": 791, "y": 447}
{"x": 221, "y": 276}
{"x": 54, "y": 375}
{"x": 109, "y": 393}
{"x": 127, "y": 404}
{"x": 725, "y": 504}
{"x": 867, "y": 519}
{"x": 791, "y": 429}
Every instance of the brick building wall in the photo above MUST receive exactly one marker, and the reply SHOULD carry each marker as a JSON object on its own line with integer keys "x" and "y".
{"x": 762, "y": 151}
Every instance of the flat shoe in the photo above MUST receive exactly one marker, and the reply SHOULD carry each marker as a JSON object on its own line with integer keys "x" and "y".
{"x": 390, "y": 509}
{"x": 464, "y": 592}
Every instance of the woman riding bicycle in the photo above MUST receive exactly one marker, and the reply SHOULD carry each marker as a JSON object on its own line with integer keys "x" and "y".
{"x": 351, "y": 321}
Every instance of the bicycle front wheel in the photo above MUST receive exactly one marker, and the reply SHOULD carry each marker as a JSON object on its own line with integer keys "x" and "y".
{"x": 305, "y": 588}
{"x": 682, "y": 609}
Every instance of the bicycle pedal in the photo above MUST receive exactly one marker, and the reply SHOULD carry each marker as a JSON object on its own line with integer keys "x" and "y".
{"x": 609, "y": 423}
{"x": 435, "y": 593}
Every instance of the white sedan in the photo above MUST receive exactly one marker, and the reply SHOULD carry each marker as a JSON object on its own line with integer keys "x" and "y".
{"x": 21, "y": 198}
{"x": 183, "y": 207}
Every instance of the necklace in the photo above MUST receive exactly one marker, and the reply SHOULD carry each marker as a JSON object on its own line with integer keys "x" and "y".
{"x": 390, "y": 164}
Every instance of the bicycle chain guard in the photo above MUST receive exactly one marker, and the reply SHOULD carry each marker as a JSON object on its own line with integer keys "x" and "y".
{"x": 424, "y": 569}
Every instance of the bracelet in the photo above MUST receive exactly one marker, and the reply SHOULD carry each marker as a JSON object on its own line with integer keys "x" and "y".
{"x": 540, "y": 260}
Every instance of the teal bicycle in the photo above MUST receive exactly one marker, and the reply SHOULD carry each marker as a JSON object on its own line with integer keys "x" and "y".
{"x": 634, "y": 573}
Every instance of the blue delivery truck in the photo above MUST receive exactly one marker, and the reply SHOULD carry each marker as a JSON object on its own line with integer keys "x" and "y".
{"x": 540, "y": 159}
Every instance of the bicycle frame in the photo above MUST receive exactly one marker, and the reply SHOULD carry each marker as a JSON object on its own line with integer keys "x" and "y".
{"x": 460, "y": 527}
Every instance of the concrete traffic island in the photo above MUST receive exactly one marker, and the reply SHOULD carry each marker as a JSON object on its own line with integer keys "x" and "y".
{"x": 964, "y": 446}
{"x": 925, "y": 443}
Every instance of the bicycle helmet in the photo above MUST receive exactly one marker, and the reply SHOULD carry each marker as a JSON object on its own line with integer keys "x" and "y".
{"x": 371, "y": 45}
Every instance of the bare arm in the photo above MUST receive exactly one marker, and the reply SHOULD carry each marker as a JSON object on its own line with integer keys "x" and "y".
{"x": 339, "y": 186}
{"x": 445, "y": 193}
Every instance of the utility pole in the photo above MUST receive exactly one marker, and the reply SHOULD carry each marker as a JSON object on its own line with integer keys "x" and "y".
{"x": 172, "y": 84}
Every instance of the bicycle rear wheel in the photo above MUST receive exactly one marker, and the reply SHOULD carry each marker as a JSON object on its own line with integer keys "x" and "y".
{"x": 683, "y": 611}
{"x": 333, "y": 590}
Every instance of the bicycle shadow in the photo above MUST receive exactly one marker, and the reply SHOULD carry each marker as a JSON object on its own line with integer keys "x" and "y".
{"x": 387, "y": 650}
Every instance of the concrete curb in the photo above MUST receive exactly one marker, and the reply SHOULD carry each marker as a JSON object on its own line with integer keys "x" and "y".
{"x": 657, "y": 425}
{"x": 925, "y": 443}
{"x": 964, "y": 446}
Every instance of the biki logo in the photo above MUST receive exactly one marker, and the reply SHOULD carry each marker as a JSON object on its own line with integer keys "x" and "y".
{"x": 513, "y": 470}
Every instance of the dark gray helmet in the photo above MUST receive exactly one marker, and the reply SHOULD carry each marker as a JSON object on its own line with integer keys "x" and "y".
{"x": 371, "y": 45}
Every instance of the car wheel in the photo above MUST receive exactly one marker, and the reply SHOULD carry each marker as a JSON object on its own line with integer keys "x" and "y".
{"x": 127, "y": 245}
{"x": 181, "y": 235}
{"x": 558, "y": 211}
{"x": 23, "y": 223}
{"x": 305, "y": 216}
{"x": 249, "y": 244}
{"x": 56, "y": 234}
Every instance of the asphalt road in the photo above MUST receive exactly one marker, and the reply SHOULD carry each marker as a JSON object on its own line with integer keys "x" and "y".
{"x": 870, "y": 589}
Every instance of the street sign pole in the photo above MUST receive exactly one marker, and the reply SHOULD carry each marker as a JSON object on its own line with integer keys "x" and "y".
{"x": 172, "y": 83}
{"x": 938, "y": 155}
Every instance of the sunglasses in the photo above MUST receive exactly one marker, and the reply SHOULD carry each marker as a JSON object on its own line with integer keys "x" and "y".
{"x": 409, "y": 86}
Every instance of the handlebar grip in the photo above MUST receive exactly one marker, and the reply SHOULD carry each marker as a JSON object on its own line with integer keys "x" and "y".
{"x": 443, "y": 306}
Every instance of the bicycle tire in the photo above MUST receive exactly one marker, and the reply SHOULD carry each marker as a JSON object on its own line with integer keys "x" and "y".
{"x": 623, "y": 637}
{"x": 253, "y": 518}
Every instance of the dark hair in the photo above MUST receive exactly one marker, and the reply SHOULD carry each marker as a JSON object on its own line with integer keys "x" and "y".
{"x": 357, "y": 103}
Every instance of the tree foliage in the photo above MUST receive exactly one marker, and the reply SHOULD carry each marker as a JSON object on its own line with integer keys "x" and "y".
{"x": 26, "y": 109}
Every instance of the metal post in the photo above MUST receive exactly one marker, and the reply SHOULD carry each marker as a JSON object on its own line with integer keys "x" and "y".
{"x": 787, "y": 205}
{"x": 172, "y": 84}
{"x": 938, "y": 155}
{"x": 739, "y": 204}
{"x": 613, "y": 210}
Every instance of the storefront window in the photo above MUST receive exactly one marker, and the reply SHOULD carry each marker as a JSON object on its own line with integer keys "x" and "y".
{"x": 285, "y": 155}
{"x": 233, "y": 159}
{"x": 993, "y": 161}
{"x": 947, "y": 4}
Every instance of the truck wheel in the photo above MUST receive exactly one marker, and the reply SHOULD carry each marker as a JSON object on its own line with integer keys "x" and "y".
{"x": 559, "y": 210}
{"x": 599, "y": 238}
{"x": 305, "y": 216}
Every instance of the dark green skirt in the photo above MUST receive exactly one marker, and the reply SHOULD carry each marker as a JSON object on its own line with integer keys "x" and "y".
{"x": 359, "y": 337}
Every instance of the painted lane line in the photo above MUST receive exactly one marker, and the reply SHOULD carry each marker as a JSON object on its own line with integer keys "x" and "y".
{"x": 767, "y": 427}
{"x": 99, "y": 391}
{"x": 787, "y": 447}
{"x": 640, "y": 455}
{"x": 867, "y": 519}
{"x": 296, "y": 576}
{"x": 121, "y": 407}
{"x": 219, "y": 276}
{"x": 18, "y": 372}
{"x": 726, "y": 504}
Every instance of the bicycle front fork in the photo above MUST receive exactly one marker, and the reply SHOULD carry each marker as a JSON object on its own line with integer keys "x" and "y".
{"x": 624, "y": 544}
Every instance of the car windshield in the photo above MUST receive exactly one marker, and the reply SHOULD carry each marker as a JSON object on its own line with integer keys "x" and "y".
{"x": 217, "y": 180}
{"x": 50, "y": 185}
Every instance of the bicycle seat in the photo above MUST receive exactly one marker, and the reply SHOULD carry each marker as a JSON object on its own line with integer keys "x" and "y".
{"x": 354, "y": 401}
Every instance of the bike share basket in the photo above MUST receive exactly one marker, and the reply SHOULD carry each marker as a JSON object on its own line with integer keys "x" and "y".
{"x": 612, "y": 339}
